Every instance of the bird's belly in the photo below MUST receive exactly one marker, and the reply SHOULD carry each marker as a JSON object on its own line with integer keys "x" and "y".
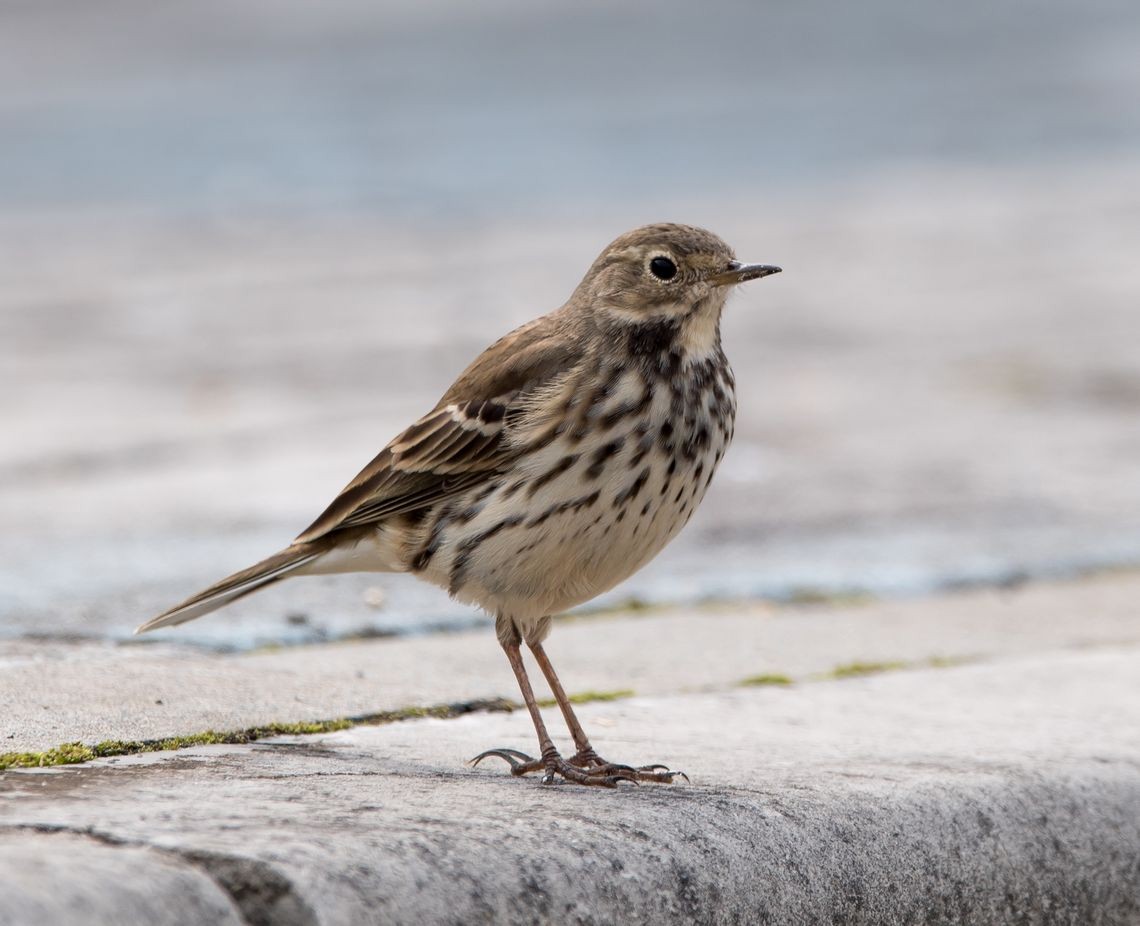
{"x": 580, "y": 518}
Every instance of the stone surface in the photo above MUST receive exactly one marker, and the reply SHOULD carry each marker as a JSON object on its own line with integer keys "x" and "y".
{"x": 992, "y": 793}
{"x": 91, "y": 692}
{"x": 59, "y": 878}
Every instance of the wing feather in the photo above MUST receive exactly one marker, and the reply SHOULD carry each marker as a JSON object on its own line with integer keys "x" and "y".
{"x": 465, "y": 439}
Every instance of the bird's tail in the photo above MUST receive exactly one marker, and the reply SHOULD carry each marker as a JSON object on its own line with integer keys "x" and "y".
{"x": 220, "y": 594}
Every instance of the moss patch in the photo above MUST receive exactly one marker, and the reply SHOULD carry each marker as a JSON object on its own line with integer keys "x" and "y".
{"x": 949, "y": 662}
{"x": 807, "y": 595}
{"x": 588, "y": 697}
{"x": 75, "y": 753}
{"x": 767, "y": 678}
{"x": 860, "y": 669}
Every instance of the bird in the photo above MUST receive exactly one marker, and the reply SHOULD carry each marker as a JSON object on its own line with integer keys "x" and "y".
{"x": 562, "y": 460}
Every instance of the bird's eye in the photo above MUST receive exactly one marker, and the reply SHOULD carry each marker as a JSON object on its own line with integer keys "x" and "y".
{"x": 663, "y": 268}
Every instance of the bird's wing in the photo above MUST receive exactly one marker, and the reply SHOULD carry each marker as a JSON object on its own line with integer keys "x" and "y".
{"x": 464, "y": 439}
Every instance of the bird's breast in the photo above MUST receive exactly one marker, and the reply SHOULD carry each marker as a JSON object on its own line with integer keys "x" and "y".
{"x": 613, "y": 470}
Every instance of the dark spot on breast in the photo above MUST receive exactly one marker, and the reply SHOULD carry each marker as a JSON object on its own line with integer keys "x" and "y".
{"x": 652, "y": 338}
{"x": 630, "y": 492}
{"x": 574, "y": 504}
{"x": 469, "y": 546}
{"x": 435, "y": 538}
{"x": 467, "y": 514}
{"x": 601, "y": 456}
{"x": 553, "y": 473}
{"x": 644, "y": 443}
{"x": 692, "y": 448}
{"x": 628, "y": 409}
{"x": 513, "y": 488}
{"x": 484, "y": 492}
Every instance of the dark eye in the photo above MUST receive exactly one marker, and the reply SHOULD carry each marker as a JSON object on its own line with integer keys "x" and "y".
{"x": 663, "y": 268}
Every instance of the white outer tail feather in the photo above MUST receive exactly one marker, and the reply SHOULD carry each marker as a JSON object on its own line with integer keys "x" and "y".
{"x": 265, "y": 573}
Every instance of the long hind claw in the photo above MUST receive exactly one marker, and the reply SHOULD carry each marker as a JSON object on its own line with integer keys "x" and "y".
{"x": 520, "y": 762}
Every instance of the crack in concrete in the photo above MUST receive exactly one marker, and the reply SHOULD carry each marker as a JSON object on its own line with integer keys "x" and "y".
{"x": 264, "y": 895}
{"x": 79, "y": 754}
{"x": 261, "y": 893}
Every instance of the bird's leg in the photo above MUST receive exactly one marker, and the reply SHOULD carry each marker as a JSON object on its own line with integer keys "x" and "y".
{"x": 586, "y": 754}
{"x": 586, "y": 757}
{"x": 550, "y": 762}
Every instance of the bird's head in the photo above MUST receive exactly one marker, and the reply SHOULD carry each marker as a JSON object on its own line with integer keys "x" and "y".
{"x": 663, "y": 272}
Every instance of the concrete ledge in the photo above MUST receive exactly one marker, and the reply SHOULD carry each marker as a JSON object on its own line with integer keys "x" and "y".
{"x": 996, "y": 793}
{"x": 58, "y": 877}
{"x": 61, "y": 693}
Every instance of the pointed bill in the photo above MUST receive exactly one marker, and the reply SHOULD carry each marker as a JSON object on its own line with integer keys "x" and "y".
{"x": 742, "y": 273}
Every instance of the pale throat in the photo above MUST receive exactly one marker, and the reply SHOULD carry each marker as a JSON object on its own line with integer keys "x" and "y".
{"x": 699, "y": 336}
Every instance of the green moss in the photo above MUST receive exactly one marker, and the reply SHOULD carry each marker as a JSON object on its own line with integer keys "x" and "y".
{"x": 860, "y": 669}
{"x": 74, "y": 753}
{"x": 815, "y": 596}
{"x": 588, "y": 697}
{"x": 948, "y": 662}
{"x": 631, "y": 605}
{"x": 766, "y": 678}
{"x": 67, "y": 754}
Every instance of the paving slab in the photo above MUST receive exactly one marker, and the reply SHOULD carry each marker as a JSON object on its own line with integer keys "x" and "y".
{"x": 1000, "y": 792}
{"x": 54, "y": 878}
{"x": 57, "y": 693}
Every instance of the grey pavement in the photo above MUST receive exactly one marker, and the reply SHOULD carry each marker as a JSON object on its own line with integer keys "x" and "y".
{"x": 89, "y": 692}
{"x": 993, "y": 793}
{"x": 1005, "y": 789}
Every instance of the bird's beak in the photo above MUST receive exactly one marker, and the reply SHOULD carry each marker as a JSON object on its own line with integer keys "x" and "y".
{"x": 742, "y": 273}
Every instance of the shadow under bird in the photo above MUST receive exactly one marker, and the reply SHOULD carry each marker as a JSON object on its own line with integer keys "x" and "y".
{"x": 562, "y": 460}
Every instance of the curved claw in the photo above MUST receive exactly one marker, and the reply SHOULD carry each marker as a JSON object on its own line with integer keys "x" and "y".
{"x": 650, "y": 773}
{"x": 611, "y": 781}
{"x": 513, "y": 757}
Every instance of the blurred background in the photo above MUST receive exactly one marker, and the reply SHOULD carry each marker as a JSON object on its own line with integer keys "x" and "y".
{"x": 242, "y": 244}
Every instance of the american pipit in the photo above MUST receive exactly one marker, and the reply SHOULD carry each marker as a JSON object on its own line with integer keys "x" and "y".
{"x": 558, "y": 464}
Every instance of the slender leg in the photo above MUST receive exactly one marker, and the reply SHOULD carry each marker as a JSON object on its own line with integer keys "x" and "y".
{"x": 586, "y": 757}
{"x": 545, "y": 744}
{"x": 576, "y": 731}
{"x": 550, "y": 762}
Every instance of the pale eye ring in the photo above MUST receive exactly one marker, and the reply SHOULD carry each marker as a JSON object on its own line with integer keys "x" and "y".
{"x": 663, "y": 268}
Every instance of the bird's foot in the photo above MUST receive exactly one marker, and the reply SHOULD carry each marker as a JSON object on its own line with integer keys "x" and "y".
{"x": 585, "y": 767}
{"x": 587, "y": 758}
{"x": 553, "y": 766}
